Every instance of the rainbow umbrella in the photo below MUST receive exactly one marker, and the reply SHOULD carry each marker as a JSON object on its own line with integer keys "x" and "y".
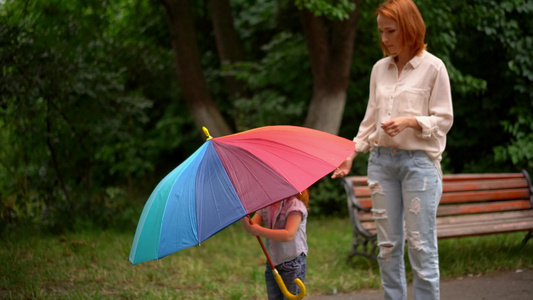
{"x": 228, "y": 178}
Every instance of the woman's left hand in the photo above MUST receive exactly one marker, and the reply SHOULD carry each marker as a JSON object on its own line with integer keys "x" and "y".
{"x": 396, "y": 125}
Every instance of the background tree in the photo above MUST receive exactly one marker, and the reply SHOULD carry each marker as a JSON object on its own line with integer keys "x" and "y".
{"x": 184, "y": 42}
{"x": 228, "y": 43}
{"x": 93, "y": 113}
{"x": 330, "y": 43}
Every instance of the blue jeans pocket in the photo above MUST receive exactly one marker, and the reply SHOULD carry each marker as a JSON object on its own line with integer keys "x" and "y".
{"x": 423, "y": 161}
{"x": 293, "y": 268}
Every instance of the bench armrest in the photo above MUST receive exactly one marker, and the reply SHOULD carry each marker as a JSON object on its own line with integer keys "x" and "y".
{"x": 348, "y": 188}
{"x": 526, "y": 175}
{"x": 353, "y": 207}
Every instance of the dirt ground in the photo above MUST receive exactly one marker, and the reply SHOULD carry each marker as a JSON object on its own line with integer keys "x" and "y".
{"x": 509, "y": 285}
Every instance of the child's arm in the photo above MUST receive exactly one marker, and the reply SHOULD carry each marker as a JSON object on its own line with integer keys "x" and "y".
{"x": 280, "y": 235}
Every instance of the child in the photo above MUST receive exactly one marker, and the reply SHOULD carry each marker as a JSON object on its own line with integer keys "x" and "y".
{"x": 284, "y": 225}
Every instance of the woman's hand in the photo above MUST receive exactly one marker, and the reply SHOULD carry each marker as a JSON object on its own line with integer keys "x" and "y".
{"x": 345, "y": 168}
{"x": 396, "y": 125}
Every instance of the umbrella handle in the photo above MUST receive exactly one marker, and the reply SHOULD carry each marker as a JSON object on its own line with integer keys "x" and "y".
{"x": 284, "y": 289}
{"x": 278, "y": 278}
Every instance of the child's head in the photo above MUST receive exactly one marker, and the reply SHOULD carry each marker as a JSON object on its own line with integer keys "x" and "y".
{"x": 304, "y": 197}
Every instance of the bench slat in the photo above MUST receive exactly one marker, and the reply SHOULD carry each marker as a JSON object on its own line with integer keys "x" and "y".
{"x": 361, "y": 191}
{"x": 487, "y": 228}
{"x": 494, "y": 176}
{"x": 365, "y": 202}
{"x": 509, "y": 215}
{"x": 446, "y": 210}
{"x": 364, "y": 191}
{"x": 466, "y": 197}
{"x": 362, "y": 180}
{"x": 470, "y": 208}
{"x": 467, "y": 225}
{"x": 480, "y": 229}
{"x": 473, "y": 185}
{"x": 462, "y": 197}
{"x": 519, "y": 206}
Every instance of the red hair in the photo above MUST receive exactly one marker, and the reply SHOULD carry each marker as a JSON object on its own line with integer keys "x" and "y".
{"x": 304, "y": 197}
{"x": 410, "y": 23}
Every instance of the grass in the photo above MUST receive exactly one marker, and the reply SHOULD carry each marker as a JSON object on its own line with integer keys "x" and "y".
{"x": 230, "y": 265}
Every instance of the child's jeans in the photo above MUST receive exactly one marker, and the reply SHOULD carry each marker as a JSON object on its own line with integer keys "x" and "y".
{"x": 406, "y": 189}
{"x": 289, "y": 271}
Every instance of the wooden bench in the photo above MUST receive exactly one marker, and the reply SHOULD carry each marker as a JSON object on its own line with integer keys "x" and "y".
{"x": 471, "y": 204}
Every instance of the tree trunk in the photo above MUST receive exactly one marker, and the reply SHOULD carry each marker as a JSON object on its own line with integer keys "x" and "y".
{"x": 185, "y": 46}
{"x": 331, "y": 59}
{"x": 227, "y": 40}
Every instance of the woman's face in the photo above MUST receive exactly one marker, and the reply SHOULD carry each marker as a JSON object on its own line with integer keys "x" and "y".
{"x": 389, "y": 33}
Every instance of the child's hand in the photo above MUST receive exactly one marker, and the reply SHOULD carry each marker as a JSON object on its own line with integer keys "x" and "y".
{"x": 252, "y": 229}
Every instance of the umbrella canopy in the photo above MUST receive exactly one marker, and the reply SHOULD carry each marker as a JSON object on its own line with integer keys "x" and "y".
{"x": 229, "y": 177}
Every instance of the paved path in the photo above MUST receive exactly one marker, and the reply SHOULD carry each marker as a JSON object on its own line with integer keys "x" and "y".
{"x": 509, "y": 285}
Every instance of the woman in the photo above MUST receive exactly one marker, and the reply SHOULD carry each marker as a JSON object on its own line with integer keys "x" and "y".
{"x": 408, "y": 115}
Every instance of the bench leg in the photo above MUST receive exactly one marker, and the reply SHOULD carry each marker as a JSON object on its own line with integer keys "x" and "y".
{"x": 368, "y": 246}
{"x": 526, "y": 238}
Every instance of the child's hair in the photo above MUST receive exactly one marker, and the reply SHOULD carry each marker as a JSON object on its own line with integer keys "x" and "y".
{"x": 304, "y": 197}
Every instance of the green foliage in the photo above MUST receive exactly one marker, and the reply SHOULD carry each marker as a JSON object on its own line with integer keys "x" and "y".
{"x": 327, "y": 198}
{"x": 519, "y": 149}
{"x": 478, "y": 41}
{"x": 75, "y": 119}
{"x": 509, "y": 24}
{"x": 335, "y": 10}
{"x": 255, "y": 21}
{"x": 280, "y": 90}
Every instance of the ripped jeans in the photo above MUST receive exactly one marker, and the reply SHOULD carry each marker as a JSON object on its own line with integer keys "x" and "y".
{"x": 406, "y": 189}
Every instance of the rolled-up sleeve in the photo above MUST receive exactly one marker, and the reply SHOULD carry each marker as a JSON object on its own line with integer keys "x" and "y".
{"x": 440, "y": 115}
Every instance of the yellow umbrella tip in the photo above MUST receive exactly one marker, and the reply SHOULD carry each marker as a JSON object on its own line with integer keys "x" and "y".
{"x": 206, "y": 132}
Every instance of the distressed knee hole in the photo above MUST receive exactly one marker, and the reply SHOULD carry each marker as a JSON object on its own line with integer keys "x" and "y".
{"x": 415, "y": 206}
{"x": 375, "y": 187}
{"x": 385, "y": 250}
{"x": 414, "y": 241}
{"x": 379, "y": 214}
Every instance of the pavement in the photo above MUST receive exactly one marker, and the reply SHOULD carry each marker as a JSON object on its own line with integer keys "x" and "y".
{"x": 508, "y": 285}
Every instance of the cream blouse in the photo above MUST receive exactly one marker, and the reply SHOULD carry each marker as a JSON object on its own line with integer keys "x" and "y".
{"x": 422, "y": 90}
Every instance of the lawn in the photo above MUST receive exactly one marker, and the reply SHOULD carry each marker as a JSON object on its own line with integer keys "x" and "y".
{"x": 230, "y": 265}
